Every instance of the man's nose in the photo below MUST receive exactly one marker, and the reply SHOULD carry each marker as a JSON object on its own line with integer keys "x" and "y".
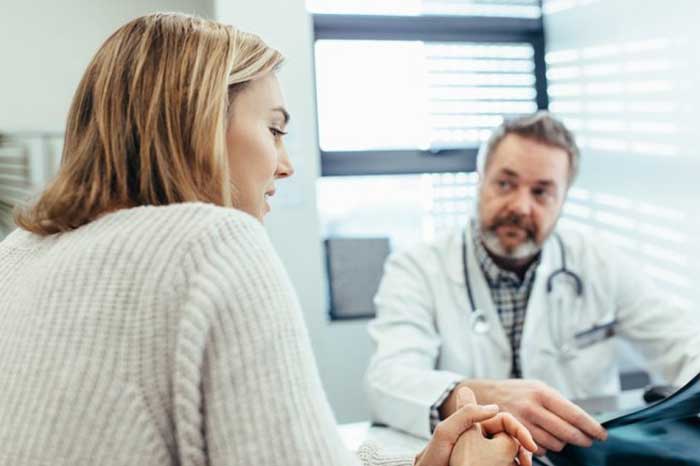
{"x": 521, "y": 202}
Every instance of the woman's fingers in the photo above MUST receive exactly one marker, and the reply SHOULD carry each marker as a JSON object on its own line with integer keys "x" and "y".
{"x": 524, "y": 456}
{"x": 508, "y": 435}
{"x": 505, "y": 444}
{"x": 510, "y": 448}
{"x": 465, "y": 396}
{"x": 451, "y": 428}
{"x": 505, "y": 422}
{"x": 468, "y": 413}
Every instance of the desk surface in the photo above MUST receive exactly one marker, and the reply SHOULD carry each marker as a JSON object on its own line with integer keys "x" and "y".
{"x": 394, "y": 441}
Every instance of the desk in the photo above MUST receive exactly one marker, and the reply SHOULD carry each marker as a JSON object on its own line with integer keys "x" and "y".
{"x": 394, "y": 441}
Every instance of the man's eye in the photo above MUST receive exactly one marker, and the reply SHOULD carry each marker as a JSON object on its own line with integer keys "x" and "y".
{"x": 541, "y": 193}
{"x": 504, "y": 184}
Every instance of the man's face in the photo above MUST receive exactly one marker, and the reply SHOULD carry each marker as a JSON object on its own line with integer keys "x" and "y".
{"x": 520, "y": 197}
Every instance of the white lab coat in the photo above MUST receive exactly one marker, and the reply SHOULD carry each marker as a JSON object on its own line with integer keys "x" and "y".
{"x": 425, "y": 342}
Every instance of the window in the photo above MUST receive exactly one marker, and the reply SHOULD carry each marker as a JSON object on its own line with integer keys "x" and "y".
{"x": 428, "y": 96}
{"x": 416, "y": 86}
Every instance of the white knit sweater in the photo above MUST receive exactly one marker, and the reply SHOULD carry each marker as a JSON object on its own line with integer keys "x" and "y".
{"x": 159, "y": 336}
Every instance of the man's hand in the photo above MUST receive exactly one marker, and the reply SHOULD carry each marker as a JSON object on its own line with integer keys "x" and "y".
{"x": 451, "y": 446}
{"x": 552, "y": 420}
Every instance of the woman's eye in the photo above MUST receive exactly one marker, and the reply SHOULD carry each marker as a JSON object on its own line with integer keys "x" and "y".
{"x": 504, "y": 184}
{"x": 277, "y": 132}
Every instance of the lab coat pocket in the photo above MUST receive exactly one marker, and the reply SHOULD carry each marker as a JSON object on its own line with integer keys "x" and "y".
{"x": 594, "y": 367}
{"x": 594, "y": 335}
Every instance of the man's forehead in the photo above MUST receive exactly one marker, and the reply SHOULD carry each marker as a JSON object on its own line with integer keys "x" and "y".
{"x": 522, "y": 153}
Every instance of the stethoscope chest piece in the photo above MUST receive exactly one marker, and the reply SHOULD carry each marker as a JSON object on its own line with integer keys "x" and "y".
{"x": 480, "y": 323}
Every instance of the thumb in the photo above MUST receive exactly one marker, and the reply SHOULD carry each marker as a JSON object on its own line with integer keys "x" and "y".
{"x": 465, "y": 396}
{"x": 462, "y": 420}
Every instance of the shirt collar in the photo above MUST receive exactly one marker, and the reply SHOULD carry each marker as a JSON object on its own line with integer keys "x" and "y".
{"x": 495, "y": 275}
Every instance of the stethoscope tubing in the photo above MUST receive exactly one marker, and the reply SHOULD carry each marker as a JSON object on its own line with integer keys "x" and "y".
{"x": 563, "y": 270}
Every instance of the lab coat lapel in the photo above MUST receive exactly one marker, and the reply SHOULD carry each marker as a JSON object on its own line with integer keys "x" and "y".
{"x": 535, "y": 329}
{"x": 481, "y": 292}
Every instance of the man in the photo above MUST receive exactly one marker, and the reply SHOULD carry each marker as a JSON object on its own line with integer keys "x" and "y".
{"x": 519, "y": 313}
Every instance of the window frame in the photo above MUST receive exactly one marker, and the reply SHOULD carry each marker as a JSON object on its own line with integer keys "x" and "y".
{"x": 427, "y": 28}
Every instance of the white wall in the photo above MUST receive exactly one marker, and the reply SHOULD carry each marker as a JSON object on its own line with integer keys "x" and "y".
{"x": 624, "y": 75}
{"x": 342, "y": 349}
{"x": 45, "y": 46}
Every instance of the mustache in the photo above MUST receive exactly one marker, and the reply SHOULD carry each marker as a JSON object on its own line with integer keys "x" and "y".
{"x": 514, "y": 220}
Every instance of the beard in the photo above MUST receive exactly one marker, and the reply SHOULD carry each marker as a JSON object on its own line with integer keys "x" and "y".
{"x": 525, "y": 250}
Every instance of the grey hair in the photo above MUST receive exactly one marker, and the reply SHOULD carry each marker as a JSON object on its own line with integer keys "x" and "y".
{"x": 541, "y": 127}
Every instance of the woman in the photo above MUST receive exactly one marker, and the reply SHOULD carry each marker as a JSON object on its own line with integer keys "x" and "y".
{"x": 145, "y": 317}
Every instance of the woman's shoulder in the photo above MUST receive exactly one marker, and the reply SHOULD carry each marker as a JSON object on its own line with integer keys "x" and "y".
{"x": 168, "y": 235}
{"x": 180, "y": 222}
{"x": 187, "y": 212}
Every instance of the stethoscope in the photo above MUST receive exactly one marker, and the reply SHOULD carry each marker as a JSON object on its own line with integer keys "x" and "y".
{"x": 480, "y": 321}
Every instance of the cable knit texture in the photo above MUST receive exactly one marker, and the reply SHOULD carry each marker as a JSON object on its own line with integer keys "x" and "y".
{"x": 159, "y": 336}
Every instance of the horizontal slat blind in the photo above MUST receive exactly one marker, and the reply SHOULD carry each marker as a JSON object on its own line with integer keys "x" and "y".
{"x": 419, "y": 95}
{"x": 26, "y": 165}
{"x": 15, "y": 183}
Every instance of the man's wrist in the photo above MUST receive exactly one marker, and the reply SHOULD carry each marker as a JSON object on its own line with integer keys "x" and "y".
{"x": 481, "y": 388}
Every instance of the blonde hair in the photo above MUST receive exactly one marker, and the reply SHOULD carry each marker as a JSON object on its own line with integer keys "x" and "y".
{"x": 147, "y": 125}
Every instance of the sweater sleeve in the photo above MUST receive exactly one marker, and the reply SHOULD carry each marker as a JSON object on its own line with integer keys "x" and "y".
{"x": 247, "y": 390}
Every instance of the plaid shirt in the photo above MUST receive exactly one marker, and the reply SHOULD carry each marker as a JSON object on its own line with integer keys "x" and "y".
{"x": 510, "y": 295}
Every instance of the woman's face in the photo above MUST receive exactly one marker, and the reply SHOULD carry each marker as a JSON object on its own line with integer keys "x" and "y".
{"x": 257, "y": 157}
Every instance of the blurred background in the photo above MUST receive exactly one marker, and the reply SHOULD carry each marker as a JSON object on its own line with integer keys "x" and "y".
{"x": 391, "y": 100}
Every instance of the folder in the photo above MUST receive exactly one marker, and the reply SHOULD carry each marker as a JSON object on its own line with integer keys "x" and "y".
{"x": 666, "y": 433}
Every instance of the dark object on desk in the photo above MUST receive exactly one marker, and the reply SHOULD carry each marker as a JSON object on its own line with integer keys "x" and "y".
{"x": 666, "y": 433}
{"x": 659, "y": 392}
{"x": 634, "y": 379}
{"x": 355, "y": 267}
